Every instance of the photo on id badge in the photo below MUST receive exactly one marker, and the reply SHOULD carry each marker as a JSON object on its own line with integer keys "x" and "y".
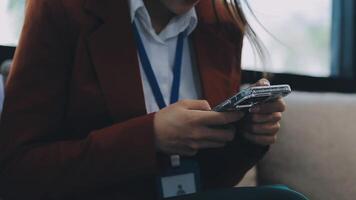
{"x": 178, "y": 185}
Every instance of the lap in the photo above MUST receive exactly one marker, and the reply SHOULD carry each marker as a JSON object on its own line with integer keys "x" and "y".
{"x": 250, "y": 193}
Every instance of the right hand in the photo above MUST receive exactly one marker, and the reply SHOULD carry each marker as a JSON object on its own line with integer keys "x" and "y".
{"x": 186, "y": 127}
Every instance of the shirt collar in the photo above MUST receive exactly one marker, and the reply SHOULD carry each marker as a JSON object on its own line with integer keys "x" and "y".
{"x": 186, "y": 22}
{"x": 135, "y": 5}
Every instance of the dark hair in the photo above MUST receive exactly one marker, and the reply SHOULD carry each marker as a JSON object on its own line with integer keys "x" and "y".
{"x": 235, "y": 11}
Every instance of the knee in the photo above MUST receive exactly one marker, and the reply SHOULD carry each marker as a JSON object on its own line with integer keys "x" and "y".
{"x": 281, "y": 192}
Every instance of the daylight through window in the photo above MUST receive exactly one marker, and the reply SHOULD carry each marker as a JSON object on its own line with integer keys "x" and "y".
{"x": 303, "y": 29}
{"x": 11, "y": 20}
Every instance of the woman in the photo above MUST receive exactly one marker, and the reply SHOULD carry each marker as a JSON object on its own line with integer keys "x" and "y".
{"x": 81, "y": 119}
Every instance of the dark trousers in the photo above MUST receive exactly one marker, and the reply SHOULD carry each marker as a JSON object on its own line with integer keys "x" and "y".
{"x": 249, "y": 193}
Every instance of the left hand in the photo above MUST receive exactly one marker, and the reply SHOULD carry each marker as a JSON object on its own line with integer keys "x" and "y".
{"x": 262, "y": 123}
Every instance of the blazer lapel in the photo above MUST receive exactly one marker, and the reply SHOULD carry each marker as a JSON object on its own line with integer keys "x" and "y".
{"x": 113, "y": 54}
{"x": 217, "y": 65}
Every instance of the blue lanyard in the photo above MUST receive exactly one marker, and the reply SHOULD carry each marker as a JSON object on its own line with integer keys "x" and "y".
{"x": 184, "y": 166}
{"x": 147, "y": 67}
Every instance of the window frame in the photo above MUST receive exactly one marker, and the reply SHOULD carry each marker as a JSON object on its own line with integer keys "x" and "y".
{"x": 343, "y": 47}
{"x": 304, "y": 83}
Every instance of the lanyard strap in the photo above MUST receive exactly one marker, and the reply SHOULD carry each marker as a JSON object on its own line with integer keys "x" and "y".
{"x": 147, "y": 67}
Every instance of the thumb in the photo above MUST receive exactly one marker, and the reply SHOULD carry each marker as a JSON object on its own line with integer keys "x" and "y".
{"x": 195, "y": 104}
{"x": 261, "y": 82}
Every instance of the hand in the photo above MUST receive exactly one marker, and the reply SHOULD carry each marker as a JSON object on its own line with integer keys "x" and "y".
{"x": 262, "y": 124}
{"x": 186, "y": 127}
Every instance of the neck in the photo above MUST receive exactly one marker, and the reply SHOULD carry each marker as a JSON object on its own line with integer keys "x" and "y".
{"x": 160, "y": 15}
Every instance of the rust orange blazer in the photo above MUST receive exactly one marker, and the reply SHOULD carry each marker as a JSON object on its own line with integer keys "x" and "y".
{"x": 74, "y": 124}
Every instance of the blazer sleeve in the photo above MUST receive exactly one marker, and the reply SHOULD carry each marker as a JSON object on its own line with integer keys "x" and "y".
{"x": 221, "y": 168}
{"x": 227, "y": 166}
{"x": 34, "y": 161}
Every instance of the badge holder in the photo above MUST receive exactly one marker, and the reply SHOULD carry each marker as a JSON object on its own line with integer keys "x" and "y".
{"x": 181, "y": 178}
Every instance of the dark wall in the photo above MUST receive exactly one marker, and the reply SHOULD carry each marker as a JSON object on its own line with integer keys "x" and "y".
{"x": 305, "y": 83}
{"x": 6, "y": 53}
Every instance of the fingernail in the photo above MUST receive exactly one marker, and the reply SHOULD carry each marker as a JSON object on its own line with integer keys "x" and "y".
{"x": 265, "y": 82}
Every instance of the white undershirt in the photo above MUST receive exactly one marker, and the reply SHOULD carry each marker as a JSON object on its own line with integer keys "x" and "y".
{"x": 161, "y": 50}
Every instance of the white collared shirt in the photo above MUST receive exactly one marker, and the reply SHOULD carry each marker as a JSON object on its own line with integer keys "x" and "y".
{"x": 161, "y": 49}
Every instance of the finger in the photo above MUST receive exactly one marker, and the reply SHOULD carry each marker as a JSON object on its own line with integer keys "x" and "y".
{"x": 269, "y": 107}
{"x": 195, "y": 104}
{"x": 261, "y": 140}
{"x": 264, "y": 129}
{"x": 217, "y": 118}
{"x": 261, "y": 82}
{"x": 214, "y": 135}
{"x": 266, "y": 118}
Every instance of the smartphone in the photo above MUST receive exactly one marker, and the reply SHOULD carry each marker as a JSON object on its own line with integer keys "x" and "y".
{"x": 249, "y": 97}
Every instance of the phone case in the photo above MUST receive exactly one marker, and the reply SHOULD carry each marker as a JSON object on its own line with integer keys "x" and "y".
{"x": 252, "y": 96}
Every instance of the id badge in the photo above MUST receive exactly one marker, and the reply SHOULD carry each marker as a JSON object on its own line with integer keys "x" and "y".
{"x": 179, "y": 180}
